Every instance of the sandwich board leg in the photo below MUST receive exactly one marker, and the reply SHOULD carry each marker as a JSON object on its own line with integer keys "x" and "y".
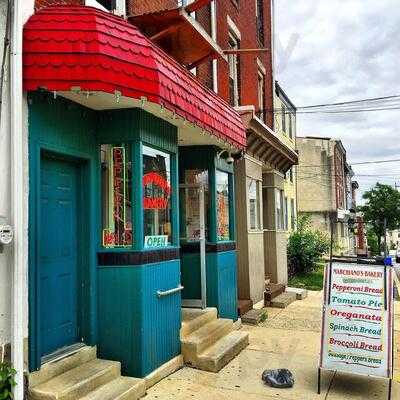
{"x": 319, "y": 381}
{"x": 390, "y": 389}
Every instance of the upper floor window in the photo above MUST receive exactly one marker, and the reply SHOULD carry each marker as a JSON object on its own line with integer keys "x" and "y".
{"x": 283, "y": 118}
{"x": 292, "y": 215}
{"x": 234, "y": 66}
{"x": 291, "y": 175}
{"x": 118, "y": 6}
{"x": 261, "y": 95}
{"x": 286, "y": 214}
{"x": 291, "y": 125}
{"x": 260, "y": 22}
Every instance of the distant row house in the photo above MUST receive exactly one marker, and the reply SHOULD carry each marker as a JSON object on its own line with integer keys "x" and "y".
{"x": 326, "y": 189}
{"x": 285, "y": 126}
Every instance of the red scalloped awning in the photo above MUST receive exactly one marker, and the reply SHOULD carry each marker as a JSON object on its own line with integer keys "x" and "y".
{"x": 67, "y": 47}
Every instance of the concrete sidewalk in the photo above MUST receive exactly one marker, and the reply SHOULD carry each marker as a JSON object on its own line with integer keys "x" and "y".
{"x": 289, "y": 338}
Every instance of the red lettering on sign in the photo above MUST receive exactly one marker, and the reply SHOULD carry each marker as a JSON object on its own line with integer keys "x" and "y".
{"x": 156, "y": 179}
{"x": 156, "y": 203}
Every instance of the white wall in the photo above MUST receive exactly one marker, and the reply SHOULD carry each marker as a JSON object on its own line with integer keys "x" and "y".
{"x": 5, "y": 257}
{"x": 5, "y": 186}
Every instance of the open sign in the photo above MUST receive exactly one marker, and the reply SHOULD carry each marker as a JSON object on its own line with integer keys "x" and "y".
{"x": 156, "y": 241}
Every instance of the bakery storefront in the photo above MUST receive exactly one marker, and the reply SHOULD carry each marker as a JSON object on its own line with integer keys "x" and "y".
{"x": 131, "y": 194}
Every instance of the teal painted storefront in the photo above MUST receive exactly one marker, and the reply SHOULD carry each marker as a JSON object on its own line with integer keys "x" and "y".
{"x": 221, "y": 264}
{"x": 118, "y": 310}
{"x": 117, "y": 304}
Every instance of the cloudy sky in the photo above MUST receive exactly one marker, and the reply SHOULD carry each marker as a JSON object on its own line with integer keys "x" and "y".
{"x": 330, "y": 51}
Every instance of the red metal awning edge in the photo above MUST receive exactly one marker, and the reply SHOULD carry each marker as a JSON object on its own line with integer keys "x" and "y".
{"x": 76, "y": 46}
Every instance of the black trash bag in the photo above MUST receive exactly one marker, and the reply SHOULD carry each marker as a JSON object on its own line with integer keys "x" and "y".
{"x": 278, "y": 378}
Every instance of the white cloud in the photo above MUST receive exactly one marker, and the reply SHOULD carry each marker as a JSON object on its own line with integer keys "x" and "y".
{"x": 344, "y": 50}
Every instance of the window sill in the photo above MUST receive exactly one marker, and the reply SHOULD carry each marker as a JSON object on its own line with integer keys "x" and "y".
{"x": 133, "y": 250}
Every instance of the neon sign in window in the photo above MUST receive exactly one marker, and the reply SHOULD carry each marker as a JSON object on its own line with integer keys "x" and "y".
{"x": 157, "y": 214}
{"x": 116, "y": 200}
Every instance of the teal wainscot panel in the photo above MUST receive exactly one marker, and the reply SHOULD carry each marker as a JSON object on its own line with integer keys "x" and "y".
{"x": 136, "y": 326}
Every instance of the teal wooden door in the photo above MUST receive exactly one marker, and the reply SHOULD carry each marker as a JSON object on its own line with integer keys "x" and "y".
{"x": 58, "y": 255}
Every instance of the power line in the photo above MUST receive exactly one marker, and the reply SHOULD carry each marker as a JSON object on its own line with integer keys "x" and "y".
{"x": 344, "y": 111}
{"x": 351, "y": 164}
{"x": 376, "y": 162}
{"x": 351, "y": 102}
{"x": 385, "y": 103}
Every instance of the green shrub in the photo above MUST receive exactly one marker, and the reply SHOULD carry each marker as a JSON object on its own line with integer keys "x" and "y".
{"x": 7, "y": 374}
{"x": 306, "y": 247}
{"x": 373, "y": 243}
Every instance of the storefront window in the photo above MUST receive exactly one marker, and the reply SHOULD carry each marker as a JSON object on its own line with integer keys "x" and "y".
{"x": 191, "y": 225}
{"x": 280, "y": 206}
{"x": 222, "y": 181}
{"x": 116, "y": 181}
{"x": 254, "y": 204}
{"x": 157, "y": 198}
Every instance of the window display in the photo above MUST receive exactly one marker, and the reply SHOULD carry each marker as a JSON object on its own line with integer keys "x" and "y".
{"x": 157, "y": 198}
{"x": 116, "y": 181}
{"x": 190, "y": 229}
{"x": 222, "y": 181}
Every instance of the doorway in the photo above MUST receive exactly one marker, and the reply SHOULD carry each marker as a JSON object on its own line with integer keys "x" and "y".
{"x": 59, "y": 254}
{"x": 193, "y": 235}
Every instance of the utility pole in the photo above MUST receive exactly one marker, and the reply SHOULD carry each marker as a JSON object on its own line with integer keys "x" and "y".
{"x": 384, "y": 236}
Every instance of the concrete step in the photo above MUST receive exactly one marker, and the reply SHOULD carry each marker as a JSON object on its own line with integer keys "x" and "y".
{"x": 244, "y": 306}
{"x": 283, "y": 300}
{"x": 204, "y": 337}
{"x": 222, "y": 352}
{"x": 122, "y": 388}
{"x": 77, "y": 382}
{"x": 254, "y": 317}
{"x": 301, "y": 294}
{"x": 61, "y": 365}
{"x": 272, "y": 290}
{"x": 193, "y": 319}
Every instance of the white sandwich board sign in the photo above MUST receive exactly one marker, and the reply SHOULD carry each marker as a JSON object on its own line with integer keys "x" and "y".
{"x": 357, "y": 325}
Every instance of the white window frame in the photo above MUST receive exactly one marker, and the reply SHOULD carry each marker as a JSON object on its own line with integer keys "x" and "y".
{"x": 120, "y": 6}
{"x": 284, "y": 110}
{"x": 233, "y": 67}
{"x": 214, "y": 37}
{"x": 279, "y": 209}
{"x": 258, "y": 210}
{"x": 286, "y": 213}
{"x": 261, "y": 93}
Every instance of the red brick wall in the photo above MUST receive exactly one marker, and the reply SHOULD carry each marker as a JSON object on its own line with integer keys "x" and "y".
{"x": 46, "y": 3}
{"x": 204, "y": 71}
{"x": 244, "y": 16}
{"x": 137, "y": 7}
